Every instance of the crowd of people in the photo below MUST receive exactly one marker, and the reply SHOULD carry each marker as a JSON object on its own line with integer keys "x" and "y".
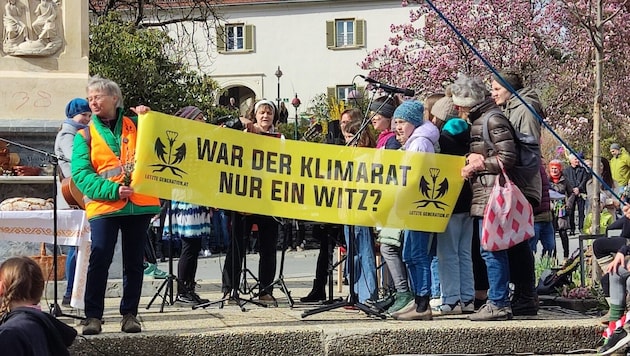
{"x": 431, "y": 274}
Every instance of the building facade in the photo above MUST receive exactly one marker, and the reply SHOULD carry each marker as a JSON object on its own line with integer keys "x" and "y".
{"x": 280, "y": 49}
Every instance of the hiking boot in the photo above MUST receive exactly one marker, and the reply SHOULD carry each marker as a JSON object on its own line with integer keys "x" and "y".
{"x": 467, "y": 307}
{"x": 447, "y": 309}
{"x": 91, "y": 326}
{"x": 422, "y": 310}
{"x": 130, "y": 324}
{"x": 490, "y": 312}
{"x": 400, "y": 301}
{"x": 616, "y": 341}
{"x": 317, "y": 294}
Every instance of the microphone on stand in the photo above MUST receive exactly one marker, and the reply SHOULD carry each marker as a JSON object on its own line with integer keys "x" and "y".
{"x": 389, "y": 88}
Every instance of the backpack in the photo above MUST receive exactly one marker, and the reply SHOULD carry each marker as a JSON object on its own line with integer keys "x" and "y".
{"x": 528, "y": 165}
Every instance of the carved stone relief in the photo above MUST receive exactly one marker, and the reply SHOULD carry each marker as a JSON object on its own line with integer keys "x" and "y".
{"x": 32, "y": 28}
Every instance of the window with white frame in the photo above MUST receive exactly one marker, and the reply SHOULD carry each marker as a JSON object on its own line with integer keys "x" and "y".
{"x": 342, "y": 93}
{"x": 345, "y": 33}
{"x": 234, "y": 38}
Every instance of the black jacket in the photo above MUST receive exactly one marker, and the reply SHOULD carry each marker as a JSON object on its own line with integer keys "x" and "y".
{"x": 30, "y": 332}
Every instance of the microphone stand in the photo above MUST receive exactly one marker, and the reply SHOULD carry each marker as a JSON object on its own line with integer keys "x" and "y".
{"x": 54, "y": 307}
{"x": 352, "y": 300}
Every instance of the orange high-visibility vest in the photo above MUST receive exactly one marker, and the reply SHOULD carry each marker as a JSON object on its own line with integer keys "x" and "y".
{"x": 110, "y": 167}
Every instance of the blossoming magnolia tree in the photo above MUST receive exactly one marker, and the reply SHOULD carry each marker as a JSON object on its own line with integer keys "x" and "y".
{"x": 550, "y": 42}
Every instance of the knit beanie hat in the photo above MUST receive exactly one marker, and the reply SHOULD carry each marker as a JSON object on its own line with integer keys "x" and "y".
{"x": 77, "y": 106}
{"x": 188, "y": 112}
{"x": 615, "y": 146}
{"x": 455, "y": 127}
{"x": 444, "y": 109}
{"x": 468, "y": 92}
{"x": 384, "y": 108}
{"x": 411, "y": 111}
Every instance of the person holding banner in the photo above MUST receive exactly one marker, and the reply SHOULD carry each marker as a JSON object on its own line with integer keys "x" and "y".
{"x": 482, "y": 168}
{"x": 390, "y": 240}
{"x": 263, "y": 116}
{"x": 191, "y": 223}
{"x": 102, "y": 163}
{"x": 417, "y": 135}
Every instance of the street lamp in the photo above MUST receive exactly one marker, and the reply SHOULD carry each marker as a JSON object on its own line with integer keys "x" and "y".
{"x": 296, "y": 104}
{"x": 278, "y": 75}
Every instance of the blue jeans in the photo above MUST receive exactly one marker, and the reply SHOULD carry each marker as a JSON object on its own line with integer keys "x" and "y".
{"x": 220, "y": 229}
{"x": 415, "y": 254}
{"x": 454, "y": 251}
{"x": 71, "y": 266}
{"x": 546, "y": 235}
{"x": 364, "y": 262}
{"x": 104, "y": 230}
{"x": 498, "y": 268}
{"x": 435, "y": 275}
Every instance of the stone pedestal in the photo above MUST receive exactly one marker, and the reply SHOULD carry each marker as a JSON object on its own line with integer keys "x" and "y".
{"x": 37, "y": 84}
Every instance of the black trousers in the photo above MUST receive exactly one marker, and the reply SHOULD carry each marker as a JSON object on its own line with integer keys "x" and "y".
{"x": 267, "y": 247}
{"x": 187, "y": 265}
{"x": 522, "y": 272}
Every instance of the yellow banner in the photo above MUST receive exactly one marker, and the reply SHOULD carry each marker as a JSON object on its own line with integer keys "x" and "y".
{"x": 185, "y": 160}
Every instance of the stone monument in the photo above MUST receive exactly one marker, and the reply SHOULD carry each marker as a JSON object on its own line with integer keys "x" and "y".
{"x": 44, "y": 57}
{"x": 43, "y": 65}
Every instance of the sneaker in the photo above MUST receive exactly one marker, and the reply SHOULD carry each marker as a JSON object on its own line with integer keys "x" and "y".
{"x": 616, "y": 341}
{"x": 299, "y": 248}
{"x": 185, "y": 300}
{"x": 159, "y": 274}
{"x": 149, "y": 268}
{"x": 205, "y": 253}
{"x": 447, "y": 309}
{"x": 490, "y": 312}
{"x": 401, "y": 300}
{"x": 197, "y": 298}
{"x": 152, "y": 271}
{"x": 130, "y": 324}
{"x": 467, "y": 307}
{"x": 435, "y": 302}
{"x": 65, "y": 301}
{"x": 91, "y": 326}
{"x": 381, "y": 305}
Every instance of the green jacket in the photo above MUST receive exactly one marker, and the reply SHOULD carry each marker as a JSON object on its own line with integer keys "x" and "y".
{"x": 89, "y": 182}
{"x": 620, "y": 167}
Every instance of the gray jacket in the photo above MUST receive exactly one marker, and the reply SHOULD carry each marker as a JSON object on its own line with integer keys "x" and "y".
{"x": 525, "y": 122}
{"x": 63, "y": 147}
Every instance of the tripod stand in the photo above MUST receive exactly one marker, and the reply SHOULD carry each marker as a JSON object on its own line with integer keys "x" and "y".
{"x": 233, "y": 279}
{"x": 54, "y": 307}
{"x": 280, "y": 280}
{"x": 167, "y": 284}
{"x": 352, "y": 300}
